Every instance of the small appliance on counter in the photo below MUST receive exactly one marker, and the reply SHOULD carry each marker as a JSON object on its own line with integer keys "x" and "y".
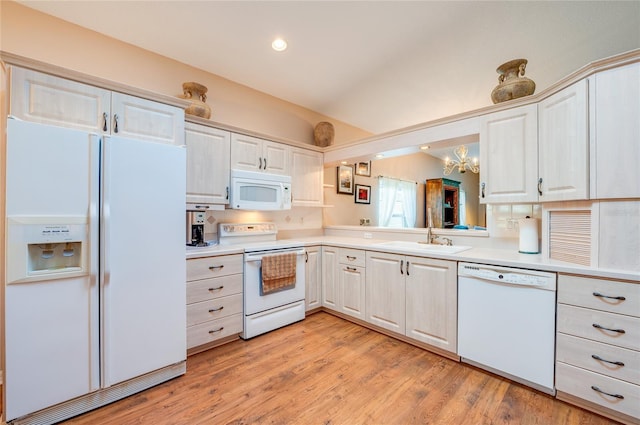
{"x": 195, "y": 228}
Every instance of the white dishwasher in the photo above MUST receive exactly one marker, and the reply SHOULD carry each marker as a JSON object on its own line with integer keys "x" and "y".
{"x": 506, "y": 322}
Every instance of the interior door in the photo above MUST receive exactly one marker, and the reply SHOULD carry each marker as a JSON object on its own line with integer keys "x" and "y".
{"x": 144, "y": 268}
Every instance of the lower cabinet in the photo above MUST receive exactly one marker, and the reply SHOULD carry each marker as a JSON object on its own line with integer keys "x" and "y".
{"x": 432, "y": 302}
{"x": 386, "y": 291}
{"x": 214, "y": 299}
{"x": 413, "y": 296}
{"x": 313, "y": 277}
{"x": 598, "y": 346}
{"x": 343, "y": 280}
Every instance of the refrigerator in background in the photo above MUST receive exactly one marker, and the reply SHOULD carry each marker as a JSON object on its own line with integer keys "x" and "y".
{"x": 95, "y": 277}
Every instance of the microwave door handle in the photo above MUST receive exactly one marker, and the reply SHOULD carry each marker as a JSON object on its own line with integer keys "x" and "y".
{"x": 282, "y": 195}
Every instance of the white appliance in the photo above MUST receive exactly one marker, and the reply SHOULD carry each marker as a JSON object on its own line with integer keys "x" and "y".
{"x": 506, "y": 322}
{"x": 252, "y": 190}
{"x": 264, "y": 313}
{"x": 94, "y": 295}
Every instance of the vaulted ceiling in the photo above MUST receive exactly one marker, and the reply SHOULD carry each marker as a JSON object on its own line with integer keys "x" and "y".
{"x": 377, "y": 65}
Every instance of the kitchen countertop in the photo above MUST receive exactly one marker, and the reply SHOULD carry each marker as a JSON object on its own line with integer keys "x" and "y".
{"x": 493, "y": 256}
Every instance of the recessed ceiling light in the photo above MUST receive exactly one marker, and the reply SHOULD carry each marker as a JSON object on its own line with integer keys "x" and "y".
{"x": 279, "y": 45}
{"x": 379, "y": 156}
{"x": 424, "y": 148}
{"x": 343, "y": 162}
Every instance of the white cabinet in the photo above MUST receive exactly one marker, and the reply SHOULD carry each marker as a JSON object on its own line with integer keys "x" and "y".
{"x": 306, "y": 177}
{"x": 432, "y": 302}
{"x": 208, "y": 151}
{"x": 351, "y": 282}
{"x": 615, "y": 133}
{"x": 313, "y": 275}
{"x": 47, "y": 99}
{"x": 385, "y": 294}
{"x": 563, "y": 145}
{"x": 214, "y": 300}
{"x": 598, "y": 345}
{"x": 330, "y": 277}
{"x": 509, "y": 156}
{"x": 537, "y": 153}
{"x": 254, "y": 154}
{"x": 413, "y": 296}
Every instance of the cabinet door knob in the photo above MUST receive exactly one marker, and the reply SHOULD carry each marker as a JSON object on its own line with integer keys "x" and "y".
{"x": 216, "y": 267}
{"x": 104, "y": 117}
{"x": 401, "y": 265}
{"x": 217, "y": 289}
{"x": 213, "y": 310}
{"x": 260, "y": 166}
{"x": 265, "y": 164}
{"x": 217, "y": 330}
{"x": 482, "y": 192}
{"x": 407, "y": 268}
{"x": 540, "y": 186}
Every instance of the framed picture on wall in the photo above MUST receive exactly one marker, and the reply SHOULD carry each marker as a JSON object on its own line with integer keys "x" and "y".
{"x": 345, "y": 180}
{"x": 363, "y": 168}
{"x": 363, "y": 194}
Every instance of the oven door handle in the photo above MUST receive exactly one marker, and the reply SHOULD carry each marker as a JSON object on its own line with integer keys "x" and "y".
{"x": 258, "y": 257}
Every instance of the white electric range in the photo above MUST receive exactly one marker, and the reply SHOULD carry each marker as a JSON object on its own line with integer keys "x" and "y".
{"x": 265, "y": 312}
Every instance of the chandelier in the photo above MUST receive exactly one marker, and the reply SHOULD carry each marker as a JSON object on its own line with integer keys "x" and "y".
{"x": 461, "y": 163}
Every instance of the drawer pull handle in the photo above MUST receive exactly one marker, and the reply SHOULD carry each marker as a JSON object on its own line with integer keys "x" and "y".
{"x": 598, "y": 294}
{"x": 620, "y": 331}
{"x": 217, "y": 330}
{"x": 217, "y": 289}
{"x": 350, "y": 258}
{"x": 213, "y": 310}
{"x": 593, "y": 356}
{"x": 618, "y": 396}
{"x": 216, "y": 267}
{"x": 351, "y": 269}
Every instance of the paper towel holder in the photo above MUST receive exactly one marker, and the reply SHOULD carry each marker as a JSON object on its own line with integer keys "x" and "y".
{"x": 529, "y": 242}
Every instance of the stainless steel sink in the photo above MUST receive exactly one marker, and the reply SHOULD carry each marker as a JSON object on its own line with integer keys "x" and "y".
{"x": 426, "y": 247}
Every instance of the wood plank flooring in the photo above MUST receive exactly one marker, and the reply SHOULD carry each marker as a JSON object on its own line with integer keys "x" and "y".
{"x": 325, "y": 370}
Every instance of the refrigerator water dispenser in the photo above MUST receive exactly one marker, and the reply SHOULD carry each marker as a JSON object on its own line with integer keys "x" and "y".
{"x": 40, "y": 248}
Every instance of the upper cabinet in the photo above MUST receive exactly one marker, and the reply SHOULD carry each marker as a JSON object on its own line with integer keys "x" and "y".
{"x": 208, "y": 151}
{"x": 537, "y": 153}
{"x": 509, "y": 156}
{"x": 563, "y": 145}
{"x": 47, "y": 99}
{"x": 306, "y": 177}
{"x": 615, "y": 133}
{"x": 254, "y": 154}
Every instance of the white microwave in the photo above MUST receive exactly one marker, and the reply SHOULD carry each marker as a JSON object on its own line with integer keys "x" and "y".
{"x": 251, "y": 190}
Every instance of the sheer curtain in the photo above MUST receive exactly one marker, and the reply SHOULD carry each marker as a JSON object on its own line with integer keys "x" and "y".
{"x": 391, "y": 191}
{"x": 388, "y": 192}
{"x": 408, "y": 190}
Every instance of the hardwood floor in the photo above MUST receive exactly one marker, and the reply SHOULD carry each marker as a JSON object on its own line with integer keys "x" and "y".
{"x": 325, "y": 370}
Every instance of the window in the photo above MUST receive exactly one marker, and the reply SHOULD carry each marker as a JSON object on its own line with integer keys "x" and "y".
{"x": 397, "y": 206}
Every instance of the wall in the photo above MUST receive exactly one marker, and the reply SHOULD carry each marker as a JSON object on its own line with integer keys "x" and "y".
{"x": 416, "y": 167}
{"x": 35, "y": 35}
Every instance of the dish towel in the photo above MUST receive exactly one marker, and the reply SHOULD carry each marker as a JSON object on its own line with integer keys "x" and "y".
{"x": 278, "y": 272}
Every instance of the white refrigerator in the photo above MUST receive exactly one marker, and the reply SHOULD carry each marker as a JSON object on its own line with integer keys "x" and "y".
{"x": 95, "y": 277}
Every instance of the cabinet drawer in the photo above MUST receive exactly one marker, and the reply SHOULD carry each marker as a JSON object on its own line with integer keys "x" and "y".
{"x": 579, "y": 352}
{"x": 213, "y": 309}
{"x": 576, "y": 290}
{"x": 589, "y": 324}
{"x": 207, "y": 289}
{"x": 579, "y": 382}
{"x": 216, "y": 329}
{"x": 354, "y": 257}
{"x": 222, "y": 265}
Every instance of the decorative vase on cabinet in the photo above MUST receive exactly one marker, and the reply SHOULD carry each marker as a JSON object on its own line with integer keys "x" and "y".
{"x": 198, "y": 95}
{"x": 512, "y": 83}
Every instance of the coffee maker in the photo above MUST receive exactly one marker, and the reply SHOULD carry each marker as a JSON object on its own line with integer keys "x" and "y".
{"x": 195, "y": 228}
